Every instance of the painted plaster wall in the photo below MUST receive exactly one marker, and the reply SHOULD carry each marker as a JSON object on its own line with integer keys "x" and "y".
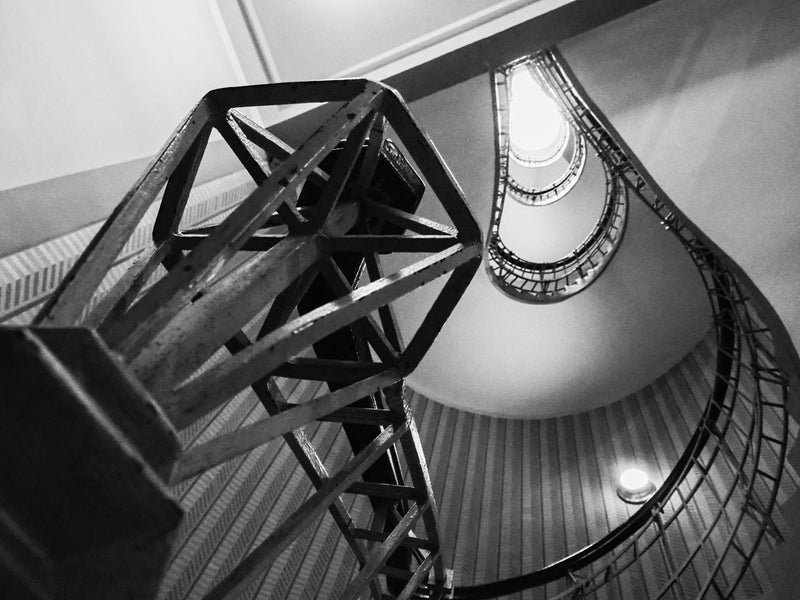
{"x": 705, "y": 93}
{"x": 502, "y": 357}
{"x": 89, "y": 91}
{"x": 89, "y": 84}
{"x": 513, "y": 494}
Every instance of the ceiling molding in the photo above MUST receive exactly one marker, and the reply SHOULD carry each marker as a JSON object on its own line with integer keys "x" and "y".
{"x": 227, "y": 42}
{"x": 520, "y": 38}
{"x": 444, "y": 69}
{"x": 477, "y": 26}
{"x": 259, "y": 40}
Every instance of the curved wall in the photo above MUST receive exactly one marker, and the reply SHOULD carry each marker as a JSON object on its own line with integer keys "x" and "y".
{"x": 513, "y": 495}
{"x": 237, "y": 503}
{"x": 553, "y": 231}
{"x": 516, "y": 495}
{"x": 89, "y": 92}
{"x": 705, "y": 94}
{"x": 502, "y": 357}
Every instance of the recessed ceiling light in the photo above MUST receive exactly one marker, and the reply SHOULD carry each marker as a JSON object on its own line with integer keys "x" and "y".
{"x": 635, "y": 486}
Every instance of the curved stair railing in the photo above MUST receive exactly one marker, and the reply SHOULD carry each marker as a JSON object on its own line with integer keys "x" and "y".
{"x": 535, "y": 196}
{"x": 552, "y": 281}
{"x": 740, "y": 439}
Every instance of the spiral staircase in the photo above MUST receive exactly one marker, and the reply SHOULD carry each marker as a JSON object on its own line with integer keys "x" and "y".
{"x": 289, "y": 283}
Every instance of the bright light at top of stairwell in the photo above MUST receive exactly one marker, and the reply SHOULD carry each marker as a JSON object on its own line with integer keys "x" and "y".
{"x": 537, "y": 128}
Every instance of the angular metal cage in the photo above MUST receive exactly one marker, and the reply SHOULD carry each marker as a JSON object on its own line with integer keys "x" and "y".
{"x": 289, "y": 283}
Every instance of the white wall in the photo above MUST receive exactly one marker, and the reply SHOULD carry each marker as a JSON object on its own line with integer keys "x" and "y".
{"x": 98, "y": 82}
{"x": 707, "y": 94}
{"x": 502, "y": 357}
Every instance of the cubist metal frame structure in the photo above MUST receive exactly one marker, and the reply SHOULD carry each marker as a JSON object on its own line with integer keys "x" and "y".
{"x": 289, "y": 284}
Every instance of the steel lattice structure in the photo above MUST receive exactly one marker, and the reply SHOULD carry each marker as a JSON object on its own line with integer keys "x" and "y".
{"x": 300, "y": 257}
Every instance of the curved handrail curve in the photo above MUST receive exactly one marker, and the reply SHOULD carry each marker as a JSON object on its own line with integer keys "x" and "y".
{"x": 551, "y": 281}
{"x": 589, "y": 554}
{"x": 559, "y": 188}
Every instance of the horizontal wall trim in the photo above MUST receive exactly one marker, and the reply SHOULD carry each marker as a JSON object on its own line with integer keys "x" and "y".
{"x": 37, "y": 212}
{"x": 464, "y": 31}
{"x": 29, "y": 276}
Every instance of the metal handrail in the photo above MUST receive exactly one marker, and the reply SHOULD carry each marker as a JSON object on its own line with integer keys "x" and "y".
{"x": 744, "y": 424}
{"x": 551, "y": 281}
{"x": 559, "y": 188}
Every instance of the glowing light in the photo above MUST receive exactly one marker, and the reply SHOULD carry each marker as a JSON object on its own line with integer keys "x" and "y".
{"x": 536, "y": 125}
{"x": 634, "y": 480}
